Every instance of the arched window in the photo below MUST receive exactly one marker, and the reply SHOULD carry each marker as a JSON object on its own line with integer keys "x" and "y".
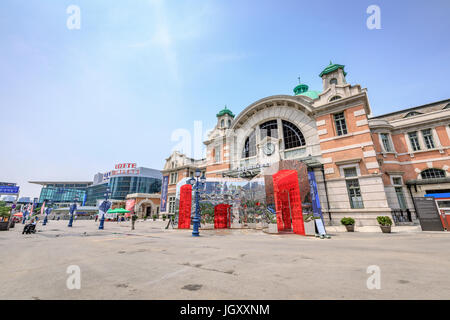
{"x": 292, "y": 135}
{"x": 229, "y": 123}
{"x": 250, "y": 146}
{"x": 222, "y": 123}
{"x": 335, "y": 98}
{"x": 432, "y": 173}
{"x": 333, "y": 81}
{"x": 269, "y": 129}
{"x": 412, "y": 114}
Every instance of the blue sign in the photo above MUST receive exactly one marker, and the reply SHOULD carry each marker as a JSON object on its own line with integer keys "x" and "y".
{"x": 164, "y": 187}
{"x": 317, "y": 209}
{"x": 9, "y": 190}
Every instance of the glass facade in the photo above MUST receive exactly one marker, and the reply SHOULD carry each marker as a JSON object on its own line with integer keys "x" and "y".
{"x": 63, "y": 193}
{"x": 124, "y": 185}
{"x": 121, "y": 186}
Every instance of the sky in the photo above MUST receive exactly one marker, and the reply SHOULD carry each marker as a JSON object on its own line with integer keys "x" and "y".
{"x": 75, "y": 102}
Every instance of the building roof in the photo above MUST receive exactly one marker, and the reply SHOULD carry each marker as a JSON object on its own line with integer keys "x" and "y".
{"x": 430, "y": 107}
{"x": 43, "y": 183}
{"x": 332, "y": 67}
{"x": 225, "y": 111}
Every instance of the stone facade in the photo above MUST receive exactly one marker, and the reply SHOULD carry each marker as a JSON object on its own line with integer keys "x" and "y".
{"x": 333, "y": 132}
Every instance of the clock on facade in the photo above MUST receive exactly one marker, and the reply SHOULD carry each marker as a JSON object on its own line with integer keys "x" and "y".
{"x": 269, "y": 148}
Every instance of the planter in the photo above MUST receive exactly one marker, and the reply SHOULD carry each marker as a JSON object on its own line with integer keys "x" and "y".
{"x": 273, "y": 228}
{"x": 12, "y": 224}
{"x": 310, "y": 229}
{"x": 4, "y": 225}
{"x": 236, "y": 225}
{"x": 259, "y": 225}
{"x": 386, "y": 229}
{"x": 350, "y": 227}
{"x": 251, "y": 225}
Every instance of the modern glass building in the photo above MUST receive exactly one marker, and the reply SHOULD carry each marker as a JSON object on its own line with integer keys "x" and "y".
{"x": 124, "y": 182}
{"x": 63, "y": 192}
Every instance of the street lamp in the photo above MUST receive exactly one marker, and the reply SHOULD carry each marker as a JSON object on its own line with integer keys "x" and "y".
{"x": 104, "y": 207}
{"x": 196, "y": 183}
{"x": 72, "y": 210}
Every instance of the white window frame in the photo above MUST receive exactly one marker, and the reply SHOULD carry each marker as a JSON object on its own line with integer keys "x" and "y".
{"x": 396, "y": 185}
{"x": 352, "y": 165}
{"x": 217, "y": 154}
{"x": 391, "y": 142}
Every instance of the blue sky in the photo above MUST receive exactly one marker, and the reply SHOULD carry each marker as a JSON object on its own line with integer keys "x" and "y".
{"x": 75, "y": 102}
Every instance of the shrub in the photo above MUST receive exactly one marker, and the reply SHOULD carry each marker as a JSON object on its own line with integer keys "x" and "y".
{"x": 164, "y": 217}
{"x": 384, "y": 221}
{"x": 348, "y": 221}
{"x": 155, "y": 216}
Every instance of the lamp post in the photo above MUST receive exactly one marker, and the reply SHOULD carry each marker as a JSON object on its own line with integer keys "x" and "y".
{"x": 72, "y": 210}
{"x": 104, "y": 207}
{"x": 196, "y": 183}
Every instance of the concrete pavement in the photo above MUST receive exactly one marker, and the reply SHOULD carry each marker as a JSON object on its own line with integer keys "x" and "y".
{"x": 153, "y": 263}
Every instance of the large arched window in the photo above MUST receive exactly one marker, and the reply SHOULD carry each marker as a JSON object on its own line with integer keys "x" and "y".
{"x": 432, "y": 173}
{"x": 250, "y": 146}
{"x": 269, "y": 129}
{"x": 292, "y": 135}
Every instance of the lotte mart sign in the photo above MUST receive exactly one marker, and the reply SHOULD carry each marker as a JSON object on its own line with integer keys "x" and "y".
{"x": 122, "y": 169}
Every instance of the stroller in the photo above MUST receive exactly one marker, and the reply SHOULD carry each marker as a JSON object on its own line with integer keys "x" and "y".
{"x": 29, "y": 229}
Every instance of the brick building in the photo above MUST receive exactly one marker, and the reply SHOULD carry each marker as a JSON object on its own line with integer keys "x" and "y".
{"x": 364, "y": 166}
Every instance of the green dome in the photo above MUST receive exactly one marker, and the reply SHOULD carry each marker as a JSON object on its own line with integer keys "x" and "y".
{"x": 225, "y": 111}
{"x": 302, "y": 90}
{"x": 332, "y": 67}
{"x": 311, "y": 94}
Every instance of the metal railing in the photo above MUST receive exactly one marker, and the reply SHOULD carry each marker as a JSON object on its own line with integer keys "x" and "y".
{"x": 400, "y": 215}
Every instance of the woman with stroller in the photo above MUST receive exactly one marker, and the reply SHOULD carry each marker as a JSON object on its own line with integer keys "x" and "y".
{"x": 30, "y": 227}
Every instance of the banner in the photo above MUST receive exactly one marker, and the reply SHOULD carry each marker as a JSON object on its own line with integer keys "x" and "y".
{"x": 43, "y": 208}
{"x": 164, "y": 187}
{"x": 317, "y": 210}
{"x": 130, "y": 207}
{"x": 9, "y": 190}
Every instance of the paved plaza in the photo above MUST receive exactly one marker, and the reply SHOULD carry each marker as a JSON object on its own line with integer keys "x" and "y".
{"x": 153, "y": 263}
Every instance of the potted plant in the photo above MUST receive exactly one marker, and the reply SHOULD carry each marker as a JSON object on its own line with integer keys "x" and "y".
{"x": 385, "y": 223}
{"x": 5, "y": 216}
{"x": 251, "y": 223}
{"x": 349, "y": 224}
{"x": 164, "y": 217}
{"x": 273, "y": 227}
{"x": 310, "y": 227}
{"x": 154, "y": 217}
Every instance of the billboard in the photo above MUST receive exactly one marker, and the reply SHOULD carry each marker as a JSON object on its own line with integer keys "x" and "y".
{"x": 9, "y": 190}
{"x": 165, "y": 185}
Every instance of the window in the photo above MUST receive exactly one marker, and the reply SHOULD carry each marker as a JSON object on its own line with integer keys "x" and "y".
{"x": 386, "y": 142}
{"x": 432, "y": 173}
{"x": 414, "y": 141}
{"x": 171, "y": 204}
{"x": 397, "y": 181}
{"x": 229, "y": 123}
{"x": 173, "y": 177}
{"x": 354, "y": 194}
{"x": 412, "y": 114}
{"x": 292, "y": 135}
{"x": 269, "y": 129}
{"x": 341, "y": 126}
{"x": 335, "y": 98}
{"x": 400, "y": 197}
{"x": 217, "y": 157}
{"x": 428, "y": 138}
{"x": 249, "y": 146}
{"x": 222, "y": 123}
{"x": 333, "y": 81}
{"x": 350, "y": 172}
